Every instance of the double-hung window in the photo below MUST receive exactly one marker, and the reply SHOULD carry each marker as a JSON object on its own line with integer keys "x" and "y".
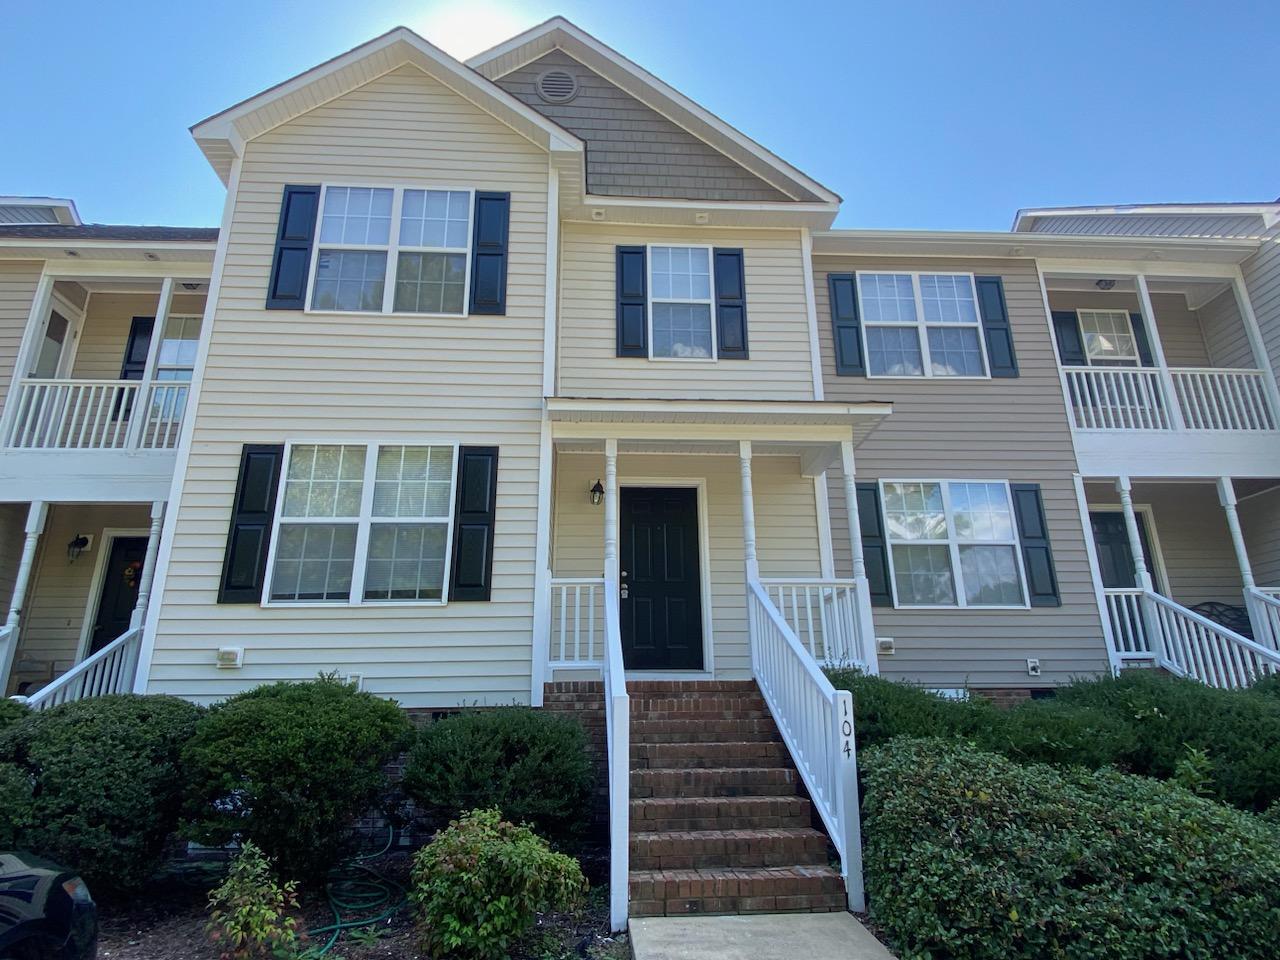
{"x": 921, "y": 325}
{"x": 681, "y": 312}
{"x": 953, "y": 543}
{"x": 1108, "y": 338}
{"x": 363, "y": 523}
{"x": 392, "y": 250}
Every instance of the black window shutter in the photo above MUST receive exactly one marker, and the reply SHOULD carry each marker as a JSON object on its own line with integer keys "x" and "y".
{"x": 633, "y": 326}
{"x": 473, "y": 520}
{"x": 244, "y": 565}
{"x": 1037, "y": 556}
{"x": 1066, "y": 330}
{"x": 489, "y": 253}
{"x": 846, "y": 332}
{"x": 287, "y": 285}
{"x": 995, "y": 326}
{"x": 1140, "y": 339}
{"x": 137, "y": 348}
{"x": 875, "y": 549}
{"x": 731, "y": 305}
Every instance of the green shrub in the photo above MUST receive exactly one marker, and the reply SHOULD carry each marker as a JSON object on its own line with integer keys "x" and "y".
{"x": 105, "y": 780}
{"x": 971, "y": 855}
{"x": 1049, "y": 731}
{"x": 289, "y": 766}
{"x": 1268, "y": 686}
{"x": 884, "y": 709}
{"x": 479, "y": 884}
{"x": 250, "y": 913}
{"x": 532, "y": 765}
{"x": 11, "y": 711}
{"x": 17, "y": 814}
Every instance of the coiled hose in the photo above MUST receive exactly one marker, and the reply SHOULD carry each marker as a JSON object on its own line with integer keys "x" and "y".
{"x": 359, "y": 896}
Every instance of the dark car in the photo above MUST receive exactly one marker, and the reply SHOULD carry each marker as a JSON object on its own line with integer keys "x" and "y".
{"x": 46, "y": 912}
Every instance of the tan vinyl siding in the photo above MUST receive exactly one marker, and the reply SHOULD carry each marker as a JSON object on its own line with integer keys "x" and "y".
{"x": 18, "y": 282}
{"x": 780, "y": 367}
{"x": 1262, "y": 280}
{"x": 786, "y": 529}
{"x": 1224, "y": 332}
{"x": 276, "y": 375}
{"x": 1177, "y": 324}
{"x": 59, "y": 593}
{"x": 1260, "y": 520}
{"x": 13, "y": 518}
{"x": 1002, "y": 429}
{"x": 105, "y": 333}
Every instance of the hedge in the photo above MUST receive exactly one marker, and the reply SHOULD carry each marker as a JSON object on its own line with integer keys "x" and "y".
{"x": 971, "y": 855}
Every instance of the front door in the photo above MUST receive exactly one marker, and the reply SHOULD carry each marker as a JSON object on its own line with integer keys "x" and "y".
{"x": 119, "y": 590}
{"x": 1115, "y": 558}
{"x": 661, "y": 603}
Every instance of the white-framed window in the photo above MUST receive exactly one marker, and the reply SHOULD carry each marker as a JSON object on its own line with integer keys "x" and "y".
{"x": 921, "y": 325}
{"x": 953, "y": 543}
{"x": 1108, "y": 337}
{"x": 681, "y": 309}
{"x": 363, "y": 523}
{"x": 179, "y": 343}
{"x": 392, "y": 250}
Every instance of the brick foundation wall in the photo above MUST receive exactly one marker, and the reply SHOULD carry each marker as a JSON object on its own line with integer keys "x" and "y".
{"x": 584, "y": 701}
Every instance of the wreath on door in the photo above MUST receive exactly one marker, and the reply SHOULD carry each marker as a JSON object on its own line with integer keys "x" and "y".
{"x": 131, "y": 572}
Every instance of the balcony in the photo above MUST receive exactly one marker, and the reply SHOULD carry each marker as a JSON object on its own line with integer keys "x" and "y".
{"x": 1202, "y": 399}
{"x": 96, "y": 415}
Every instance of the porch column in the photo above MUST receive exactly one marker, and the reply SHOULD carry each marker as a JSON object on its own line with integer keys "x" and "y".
{"x": 748, "y": 512}
{"x": 36, "y": 515}
{"x": 869, "y": 654}
{"x": 148, "y": 565}
{"x": 1157, "y": 353}
{"x": 611, "y": 511}
{"x": 1227, "y": 497}
{"x": 1261, "y": 358}
{"x": 1140, "y": 572}
{"x": 137, "y": 421}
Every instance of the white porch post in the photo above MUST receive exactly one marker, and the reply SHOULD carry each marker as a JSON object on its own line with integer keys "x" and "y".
{"x": 1261, "y": 359}
{"x": 148, "y": 565}
{"x": 1227, "y": 497}
{"x": 36, "y": 514}
{"x": 611, "y": 512}
{"x": 866, "y": 630}
{"x": 1151, "y": 623}
{"x": 137, "y": 416}
{"x": 1157, "y": 353}
{"x": 748, "y": 513}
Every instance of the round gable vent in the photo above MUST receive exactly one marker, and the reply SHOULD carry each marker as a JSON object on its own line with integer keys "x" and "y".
{"x": 557, "y": 86}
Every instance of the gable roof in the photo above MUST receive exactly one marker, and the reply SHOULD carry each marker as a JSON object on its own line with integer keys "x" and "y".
{"x": 665, "y": 99}
{"x": 222, "y": 136}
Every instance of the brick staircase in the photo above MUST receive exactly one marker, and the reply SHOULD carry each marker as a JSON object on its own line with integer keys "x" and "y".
{"x": 719, "y": 819}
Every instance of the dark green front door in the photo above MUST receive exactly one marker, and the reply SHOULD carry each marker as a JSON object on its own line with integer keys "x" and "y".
{"x": 1115, "y": 558}
{"x": 119, "y": 590}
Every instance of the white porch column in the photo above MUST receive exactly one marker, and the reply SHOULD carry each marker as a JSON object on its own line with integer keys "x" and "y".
{"x": 137, "y": 419}
{"x": 748, "y": 512}
{"x": 1261, "y": 359}
{"x": 1157, "y": 353}
{"x": 148, "y": 565}
{"x": 869, "y": 654}
{"x": 1227, "y": 497}
{"x": 36, "y": 514}
{"x": 611, "y": 511}
{"x": 1141, "y": 574}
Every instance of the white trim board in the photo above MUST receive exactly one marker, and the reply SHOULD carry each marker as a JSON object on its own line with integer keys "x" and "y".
{"x": 106, "y": 541}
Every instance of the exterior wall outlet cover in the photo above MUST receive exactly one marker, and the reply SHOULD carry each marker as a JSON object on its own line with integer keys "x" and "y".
{"x": 886, "y": 646}
{"x": 230, "y": 658}
{"x": 1033, "y": 667}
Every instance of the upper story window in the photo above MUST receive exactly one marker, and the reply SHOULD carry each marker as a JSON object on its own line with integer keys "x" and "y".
{"x": 1108, "y": 337}
{"x": 680, "y": 303}
{"x": 179, "y": 342}
{"x": 392, "y": 250}
{"x": 921, "y": 325}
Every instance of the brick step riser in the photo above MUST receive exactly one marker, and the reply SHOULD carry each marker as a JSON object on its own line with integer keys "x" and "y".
{"x": 691, "y": 688}
{"x": 712, "y": 906}
{"x": 641, "y": 714}
{"x": 702, "y": 755}
{"x": 707, "y": 736}
{"x": 656, "y": 852}
{"x": 718, "y": 822}
{"x": 757, "y": 782}
{"x": 686, "y": 886}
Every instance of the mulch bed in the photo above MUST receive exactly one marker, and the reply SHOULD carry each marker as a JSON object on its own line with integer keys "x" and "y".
{"x": 166, "y": 920}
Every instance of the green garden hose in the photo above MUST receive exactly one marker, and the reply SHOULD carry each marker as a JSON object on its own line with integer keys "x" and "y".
{"x": 359, "y": 896}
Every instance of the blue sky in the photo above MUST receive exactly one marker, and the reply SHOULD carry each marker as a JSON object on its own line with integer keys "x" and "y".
{"x": 944, "y": 115}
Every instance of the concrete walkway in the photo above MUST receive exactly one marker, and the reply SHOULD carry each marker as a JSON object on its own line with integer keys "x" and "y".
{"x": 778, "y": 936}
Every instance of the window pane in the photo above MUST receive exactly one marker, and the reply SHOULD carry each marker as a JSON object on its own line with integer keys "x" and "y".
{"x": 887, "y": 297}
{"x": 981, "y": 511}
{"x": 314, "y": 561}
{"x": 894, "y": 351}
{"x": 922, "y": 575}
{"x": 681, "y": 330}
{"x": 680, "y": 273}
{"x": 1108, "y": 335}
{"x": 179, "y": 343}
{"x": 990, "y": 576}
{"x": 324, "y": 481}
{"x": 406, "y": 561}
{"x": 349, "y": 280}
{"x": 413, "y": 482}
{"x": 356, "y": 215}
{"x": 947, "y": 299}
{"x": 430, "y": 282}
{"x": 955, "y": 352}
{"x": 913, "y": 511}
{"x": 435, "y": 218}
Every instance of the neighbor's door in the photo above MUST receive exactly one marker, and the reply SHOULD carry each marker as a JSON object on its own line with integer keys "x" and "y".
{"x": 661, "y": 604}
{"x": 1115, "y": 558}
{"x": 119, "y": 590}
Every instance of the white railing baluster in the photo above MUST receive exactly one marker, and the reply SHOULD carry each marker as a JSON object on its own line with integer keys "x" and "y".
{"x": 834, "y": 634}
{"x": 100, "y": 674}
{"x": 74, "y": 414}
{"x": 576, "y": 640}
{"x": 1134, "y": 398}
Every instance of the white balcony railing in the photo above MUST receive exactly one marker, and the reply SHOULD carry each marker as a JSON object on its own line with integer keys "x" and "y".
{"x": 1136, "y": 398}
{"x": 96, "y": 414}
{"x": 824, "y": 615}
{"x": 1264, "y": 614}
{"x": 110, "y": 670}
{"x": 577, "y": 638}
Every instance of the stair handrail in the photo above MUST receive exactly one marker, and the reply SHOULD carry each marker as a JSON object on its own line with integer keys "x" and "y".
{"x": 1263, "y": 604}
{"x": 1203, "y": 650}
{"x": 109, "y": 670}
{"x": 617, "y": 708}
{"x": 817, "y": 726}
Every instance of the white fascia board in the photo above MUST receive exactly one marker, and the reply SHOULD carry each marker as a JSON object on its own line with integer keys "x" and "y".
{"x": 563, "y": 407}
{"x": 1270, "y": 212}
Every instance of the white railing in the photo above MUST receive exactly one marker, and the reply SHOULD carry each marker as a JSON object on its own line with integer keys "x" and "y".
{"x": 816, "y": 723}
{"x": 1128, "y": 623}
{"x": 617, "y": 710}
{"x": 1264, "y": 613}
{"x": 824, "y": 615}
{"x": 577, "y": 638}
{"x": 96, "y": 415}
{"x": 1222, "y": 399}
{"x": 1117, "y": 398}
{"x": 110, "y": 670}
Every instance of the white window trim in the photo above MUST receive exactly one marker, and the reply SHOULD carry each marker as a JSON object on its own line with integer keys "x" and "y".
{"x": 158, "y": 366}
{"x": 953, "y": 544}
{"x": 1135, "y": 360}
{"x": 920, "y": 325}
{"x": 710, "y": 301}
{"x": 363, "y": 524}
{"x": 392, "y": 249}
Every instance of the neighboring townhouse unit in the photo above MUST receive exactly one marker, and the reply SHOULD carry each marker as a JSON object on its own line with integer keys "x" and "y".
{"x": 530, "y": 380}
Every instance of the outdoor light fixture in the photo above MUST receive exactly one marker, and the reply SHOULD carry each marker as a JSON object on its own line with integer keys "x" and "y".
{"x": 76, "y": 547}
{"x": 1105, "y": 284}
{"x": 597, "y": 494}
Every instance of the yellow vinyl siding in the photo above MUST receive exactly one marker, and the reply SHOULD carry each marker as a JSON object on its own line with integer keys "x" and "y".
{"x": 780, "y": 367}
{"x": 276, "y": 375}
{"x": 18, "y": 282}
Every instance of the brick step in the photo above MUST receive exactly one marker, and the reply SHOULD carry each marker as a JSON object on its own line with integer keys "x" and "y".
{"x": 668, "y": 814}
{"x": 759, "y": 753}
{"x": 690, "y": 688}
{"x": 727, "y": 890}
{"x": 702, "y": 731}
{"x": 736, "y": 709}
{"x": 690, "y": 849}
{"x": 715, "y": 782}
